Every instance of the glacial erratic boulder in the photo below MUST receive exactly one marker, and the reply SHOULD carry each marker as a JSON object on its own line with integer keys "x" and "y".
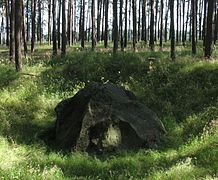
{"x": 105, "y": 117}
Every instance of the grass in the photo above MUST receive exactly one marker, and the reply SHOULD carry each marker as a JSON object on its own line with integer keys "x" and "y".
{"x": 184, "y": 94}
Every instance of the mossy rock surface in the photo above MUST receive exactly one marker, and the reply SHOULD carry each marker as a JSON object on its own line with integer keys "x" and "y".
{"x": 105, "y": 117}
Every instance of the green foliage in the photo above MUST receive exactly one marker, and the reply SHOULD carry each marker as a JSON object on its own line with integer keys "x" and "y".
{"x": 183, "y": 93}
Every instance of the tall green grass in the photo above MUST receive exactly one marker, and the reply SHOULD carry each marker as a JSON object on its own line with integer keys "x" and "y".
{"x": 184, "y": 94}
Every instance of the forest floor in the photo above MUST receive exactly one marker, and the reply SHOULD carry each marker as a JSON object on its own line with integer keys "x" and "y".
{"x": 183, "y": 93}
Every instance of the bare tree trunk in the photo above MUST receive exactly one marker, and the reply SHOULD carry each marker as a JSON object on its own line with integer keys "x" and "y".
{"x": 172, "y": 31}
{"x": 194, "y": 26}
{"x": 24, "y": 31}
{"x": 106, "y": 24}
{"x": 115, "y": 26}
{"x": 121, "y": 25}
{"x": 152, "y": 26}
{"x": 161, "y": 24}
{"x": 200, "y": 19}
{"x": 99, "y": 19}
{"x": 177, "y": 21}
{"x": 126, "y": 28}
{"x": 83, "y": 25}
{"x": 209, "y": 32}
{"x": 12, "y": 33}
{"x": 139, "y": 22}
{"x": 183, "y": 27}
{"x": 93, "y": 26}
{"x": 64, "y": 38}
{"x": 216, "y": 26}
{"x": 54, "y": 37}
{"x": 39, "y": 26}
{"x": 134, "y": 24}
{"x": 186, "y": 24}
{"x": 70, "y": 22}
{"x": 33, "y": 25}
{"x": 49, "y": 22}
{"x": 166, "y": 21}
{"x": 7, "y": 22}
{"x": 155, "y": 25}
{"x": 18, "y": 29}
{"x": 103, "y": 14}
{"x": 59, "y": 24}
{"x": 27, "y": 22}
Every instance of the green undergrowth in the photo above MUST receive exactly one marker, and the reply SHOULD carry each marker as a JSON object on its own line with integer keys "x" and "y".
{"x": 184, "y": 94}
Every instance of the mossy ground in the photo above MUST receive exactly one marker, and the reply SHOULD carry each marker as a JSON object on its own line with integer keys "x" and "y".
{"x": 184, "y": 94}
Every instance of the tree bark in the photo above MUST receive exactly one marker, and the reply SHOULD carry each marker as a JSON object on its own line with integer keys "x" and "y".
{"x": 59, "y": 24}
{"x": 93, "y": 26}
{"x": 194, "y": 26}
{"x": 12, "y": 33}
{"x": 54, "y": 34}
{"x": 24, "y": 31}
{"x": 99, "y": 19}
{"x": 83, "y": 24}
{"x": 161, "y": 24}
{"x": 209, "y": 32}
{"x": 152, "y": 26}
{"x": 33, "y": 9}
{"x": 134, "y": 24}
{"x": 126, "y": 28}
{"x": 18, "y": 29}
{"x": 115, "y": 26}
{"x": 172, "y": 31}
{"x": 64, "y": 38}
{"x": 49, "y": 22}
{"x": 121, "y": 25}
{"x": 106, "y": 24}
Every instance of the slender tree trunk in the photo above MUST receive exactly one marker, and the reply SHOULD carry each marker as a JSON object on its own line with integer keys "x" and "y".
{"x": 156, "y": 16}
{"x": 59, "y": 24}
{"x": 186, "y": 24}
{"x": 24, "y": 31}
{"x": 129, "y": 31}
{"x": 194, "y": 26}
{"x": 7, "y": 22}
{"x": 216, "y": 26}
{"x": 126, "y": 28}
{"x": 27, "y": 22}
{"x": 33, "y": 25}
{"x": 152, "y": 26}
{"x": 134, "y": 24}
{"x": 172, "y": 31}
{"x": 209, "y": 32}
{"x": 143, "y": 20}
{"x": 64, "y": 38}
{"x": 161, "y": 24}
{"x": 177, "y": 21}
{"x": 49, "y": 22}
{"x": 93, "y": 26}
{"x": 200, "y": 19}
{"x": 139, "y": 21}
{"x": 69, "y": 22}
{"x": 166, "y": 21}
{"x": 121, "y": 25}
{"x": 106, "y": 24}
{"x": 103, "y": 14}
{"x": 83, "y": 25}
{"x": 99, "y": 19}
{"x": 18, "y": 29}
{"x": 115, "y": 26}
{"x": 54, "y": 37}
{"x": 12, "y": 33}
{"x": 183, "y": 27}
{"x": 39, "y": 26}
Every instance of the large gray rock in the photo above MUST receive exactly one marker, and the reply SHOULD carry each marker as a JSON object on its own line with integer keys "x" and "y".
{"x": 105, "y": 118}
